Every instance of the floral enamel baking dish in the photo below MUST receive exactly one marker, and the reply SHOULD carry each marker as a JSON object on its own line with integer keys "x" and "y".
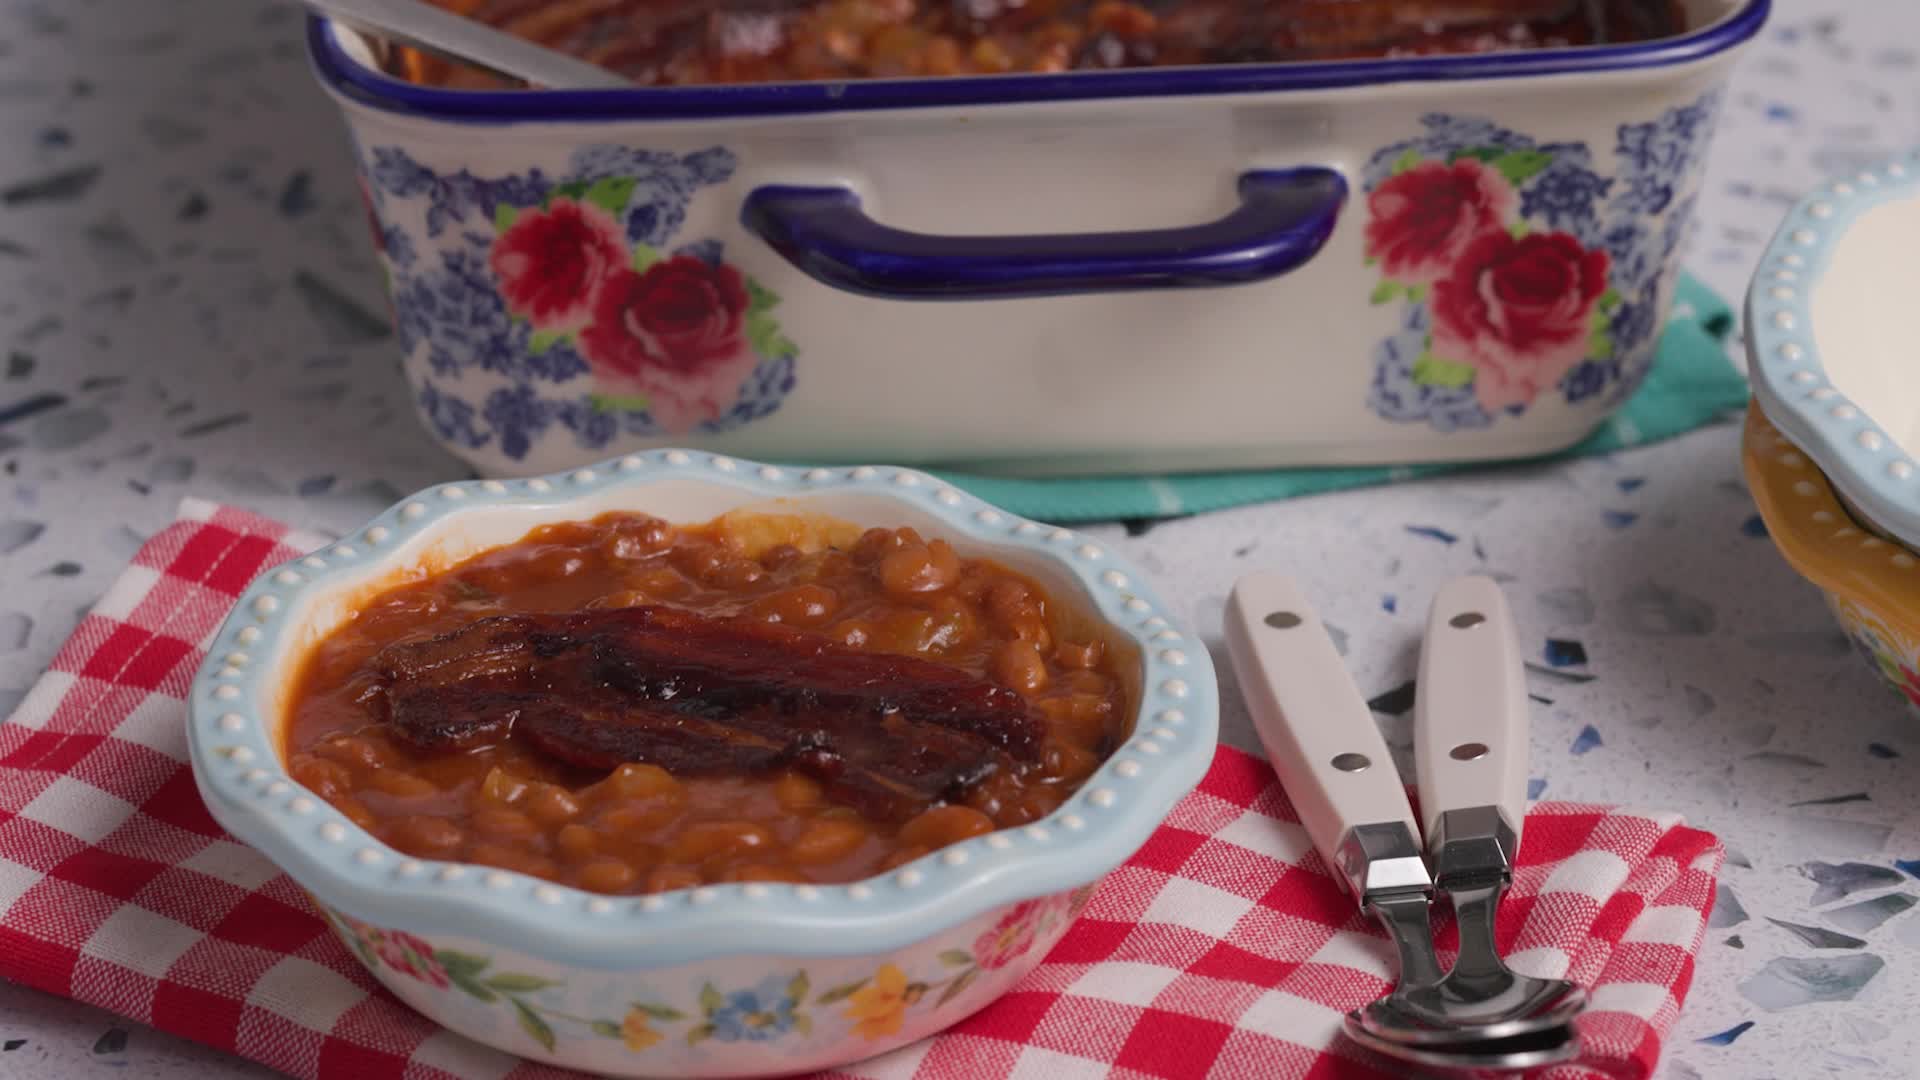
{"x": 736, "y": 979}
{"x": 1829, "y": 344}
{"x": 1396, "y": 260}
{"x": 1872, "y": 585}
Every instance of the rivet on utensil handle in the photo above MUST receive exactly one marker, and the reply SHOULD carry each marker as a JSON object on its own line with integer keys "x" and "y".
{"x": 1470, "y": 707}
{"x": 1320, "y": 736}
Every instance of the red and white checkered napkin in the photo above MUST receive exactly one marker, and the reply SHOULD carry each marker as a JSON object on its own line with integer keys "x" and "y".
{"x": 1221, "y": 949}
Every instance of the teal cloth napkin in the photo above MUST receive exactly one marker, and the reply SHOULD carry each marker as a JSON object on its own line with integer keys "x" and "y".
{"x": 1691, "y": 384}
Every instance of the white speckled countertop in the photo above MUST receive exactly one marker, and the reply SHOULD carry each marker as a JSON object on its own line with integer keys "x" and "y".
{"x": 189, "y": 307}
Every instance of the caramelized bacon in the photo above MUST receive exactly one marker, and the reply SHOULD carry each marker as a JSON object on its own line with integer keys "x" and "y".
{"x": 886, "y": 767}
{"x": 700, "y": 695}
{"x": 495, "y": 650}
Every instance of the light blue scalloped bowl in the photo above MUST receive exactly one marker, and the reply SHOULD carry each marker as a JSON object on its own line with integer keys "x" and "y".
{"x": 1830, "y": 340}
{"x": 744, "y": 979}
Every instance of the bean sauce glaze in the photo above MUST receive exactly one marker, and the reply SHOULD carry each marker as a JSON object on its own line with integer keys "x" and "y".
{"x": 629, "y": 706}
{"x": 686, "y": 42}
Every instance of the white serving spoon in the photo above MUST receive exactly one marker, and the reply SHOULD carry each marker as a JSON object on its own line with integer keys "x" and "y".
{"x": 454, "y": 37}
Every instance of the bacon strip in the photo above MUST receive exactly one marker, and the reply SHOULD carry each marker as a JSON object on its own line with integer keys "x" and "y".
{"x": 699, "y": 695}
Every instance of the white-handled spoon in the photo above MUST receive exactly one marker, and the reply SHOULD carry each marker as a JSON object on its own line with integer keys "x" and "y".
{"x": 1470, "y": 755}
{"x": 455, "y": 37}
{"x": 1470, "y": 709}
{"x": 1335, "y": 767}
{"x": 1323, "y": 743}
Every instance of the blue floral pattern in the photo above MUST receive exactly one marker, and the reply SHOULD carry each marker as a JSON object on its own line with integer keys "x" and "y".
{"x": 669, "y": 181}
{"x": 764, "y": 1012}
{"x": 1660, "y": 156}
{"x": 1632, "y": 215}
{"x": 487, "y": 377}
{"x": 1398, "y": 396}
{"x": 871, "y": 1006}
{"x": 1563, "y": 195}
{"x": 451, "y": 418}
{"x": 459, "y": 316}
{"x": 397, "y": 246}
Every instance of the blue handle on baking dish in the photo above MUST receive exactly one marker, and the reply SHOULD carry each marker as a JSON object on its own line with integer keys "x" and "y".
{"x": 1284, "y": 217}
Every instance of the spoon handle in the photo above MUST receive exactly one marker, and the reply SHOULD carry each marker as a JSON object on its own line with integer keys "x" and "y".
{"x": 458, "y": 38}
{"x": 1322, "y": 740}
{"x": 1470, "y": 715}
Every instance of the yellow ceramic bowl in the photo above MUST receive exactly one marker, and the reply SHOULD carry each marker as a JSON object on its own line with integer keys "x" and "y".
{"x": 1872, "y": 584}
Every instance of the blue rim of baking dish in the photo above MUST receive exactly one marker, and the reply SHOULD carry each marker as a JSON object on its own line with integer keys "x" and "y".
{"x": 1862, "y": 460}
{"x": 357, "y": 82}
{"x": 246, "y": 785}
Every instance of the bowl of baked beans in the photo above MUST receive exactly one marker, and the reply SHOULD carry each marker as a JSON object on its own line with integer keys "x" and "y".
{"x": 681, "y": 764}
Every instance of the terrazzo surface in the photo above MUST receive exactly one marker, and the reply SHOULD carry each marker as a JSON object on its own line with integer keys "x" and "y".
{"x": 187, "y": 305}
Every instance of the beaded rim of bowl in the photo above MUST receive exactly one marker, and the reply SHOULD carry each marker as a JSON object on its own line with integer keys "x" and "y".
{"x": 1789, "y": 376}
{"x": 240, "y": 771}
{"x": 1815, "y": 533}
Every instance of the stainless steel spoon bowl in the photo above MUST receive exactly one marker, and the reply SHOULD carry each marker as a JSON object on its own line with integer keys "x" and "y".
{"x": 1470, "y": 738}
{"x": 1513, "y": 1054}
{"x": 1480, "y": 1015}
{"x": 1480, "y": 998}
{"x": 1442, "y": 1016}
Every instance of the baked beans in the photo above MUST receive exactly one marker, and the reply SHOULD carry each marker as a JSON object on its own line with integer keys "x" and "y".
{"x": 639, "y": 827}
{"x": 683, "y": 42}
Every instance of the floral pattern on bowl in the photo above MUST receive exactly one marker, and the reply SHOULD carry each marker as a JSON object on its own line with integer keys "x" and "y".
{"x": 809, "y": 1010}
{"x": 1827, "y": 331}
{"x": 485, "y": 951}
{"x": 1872, "y": 584}
{"x": 1894, "y": 653}
{"x": 1520, "y": 269}
{"x": 571, "y": 302}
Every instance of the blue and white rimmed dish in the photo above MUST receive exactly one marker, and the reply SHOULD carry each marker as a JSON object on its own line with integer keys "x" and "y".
{"x": 534, "y": 242}
{"x": 1829, "y": 340}
{"x": 738, "y": 979}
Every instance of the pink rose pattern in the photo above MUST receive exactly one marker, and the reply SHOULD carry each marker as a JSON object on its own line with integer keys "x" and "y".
{"x": 552, "y": 262}
{"x": 539, "y": 306}
{"x": 674, "y": 332}
{"x": 1422, "y": 220}
{"x": 1520, "y": 311}
{"x": 782, "y": 1003}
{"x": 672, "y": 336}
{"x": 398, "y": 950}
{"x": 1517, "y": 268}
{"x": 1514, "y": 307}
{"x": 1024, "y": 924}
